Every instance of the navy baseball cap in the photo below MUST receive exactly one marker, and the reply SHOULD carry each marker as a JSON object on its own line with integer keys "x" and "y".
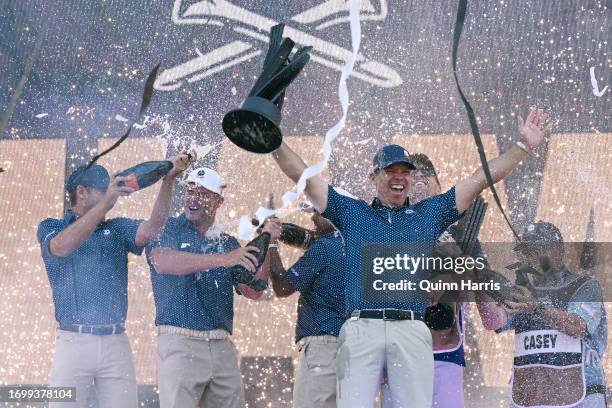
{"x": 539, "y": 233}
{"x": 96, "y": 176}
{"x": 390, "y": 155}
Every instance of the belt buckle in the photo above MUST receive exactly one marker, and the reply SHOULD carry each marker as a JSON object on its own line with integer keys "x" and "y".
{"x": 384, "y": 313}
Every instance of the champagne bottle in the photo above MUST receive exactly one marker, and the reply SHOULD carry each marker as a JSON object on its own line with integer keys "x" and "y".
{"x": 145, "y": 174}
{"x": 296, "y": 236}
{"x": 242, "y": 275}
{"x": 293, "y": 235}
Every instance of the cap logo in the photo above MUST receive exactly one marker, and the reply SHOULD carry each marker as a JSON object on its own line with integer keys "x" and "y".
{"x": 201, "y": 173}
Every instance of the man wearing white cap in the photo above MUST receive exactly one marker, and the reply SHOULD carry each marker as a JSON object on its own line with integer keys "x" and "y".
{"x": 193, "y": 283}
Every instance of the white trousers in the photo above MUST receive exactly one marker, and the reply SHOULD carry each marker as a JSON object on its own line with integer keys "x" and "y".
{"x": 366, "y": 346}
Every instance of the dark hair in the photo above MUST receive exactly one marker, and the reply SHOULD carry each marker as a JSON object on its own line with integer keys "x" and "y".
{"x": 422, "y": 161}
{"x": 72, "y": 196}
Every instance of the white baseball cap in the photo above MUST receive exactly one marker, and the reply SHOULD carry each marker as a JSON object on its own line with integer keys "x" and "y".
{"x": 207, "y": 178}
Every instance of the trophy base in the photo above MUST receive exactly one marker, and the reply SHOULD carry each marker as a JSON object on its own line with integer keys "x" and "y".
{"x": 254, "y": 127}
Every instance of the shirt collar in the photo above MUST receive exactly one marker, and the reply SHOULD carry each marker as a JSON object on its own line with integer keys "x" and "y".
{"x": 377, "y": 204}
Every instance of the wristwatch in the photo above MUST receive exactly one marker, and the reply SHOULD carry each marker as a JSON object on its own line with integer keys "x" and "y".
{"x": 523, "y": 146}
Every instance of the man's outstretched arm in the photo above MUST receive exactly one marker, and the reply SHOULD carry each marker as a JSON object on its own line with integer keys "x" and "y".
{"x": 532, "y": 132}
{"x": 293, "y": 166}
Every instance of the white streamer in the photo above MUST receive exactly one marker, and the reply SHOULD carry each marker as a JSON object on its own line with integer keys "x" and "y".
{"x": 343, "y": 93}
{"x": 244, "y": 232}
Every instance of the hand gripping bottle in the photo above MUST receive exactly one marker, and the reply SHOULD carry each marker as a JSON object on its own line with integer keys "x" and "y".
{"x": 145, "y": 174}
{"x": 242, "y": 275}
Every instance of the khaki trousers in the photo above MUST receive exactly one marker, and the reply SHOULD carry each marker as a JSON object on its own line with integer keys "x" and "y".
{"x": 366, "y": 346}
{"x": 195, "y": 371}
{"x": 315, "y": 379}
{"x": 87, "y": 361}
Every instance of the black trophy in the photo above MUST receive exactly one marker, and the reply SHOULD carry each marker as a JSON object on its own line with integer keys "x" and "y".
{"x": 255, "y": 126}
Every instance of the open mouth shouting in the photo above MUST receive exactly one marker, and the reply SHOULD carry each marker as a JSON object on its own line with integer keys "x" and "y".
{"x": 397, "y": 188}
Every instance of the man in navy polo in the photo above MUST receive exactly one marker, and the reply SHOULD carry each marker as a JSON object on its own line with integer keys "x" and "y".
{"x": 86, "y": 260}
{"x": 318, "y": 276}
{"x": 389, "y": 332}
{"x": 193, "y": 288}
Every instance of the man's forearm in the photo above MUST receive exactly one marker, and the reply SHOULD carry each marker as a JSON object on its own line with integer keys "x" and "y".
{"x": 289, "y": 162}
{"x": 64, "y": 243}
{"x": 500, "y": 167}
{"x": 153, "y": 227}
{"x": 503, "y": 165}
{"x": 293, "y": 166}
{"x": 282, "y": 287}
{"x": 566, "y": 322}
{"x": 491, "y": 314}
{"x": 172, "y": 262}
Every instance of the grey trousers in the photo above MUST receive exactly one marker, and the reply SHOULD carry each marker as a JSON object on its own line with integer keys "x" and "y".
{"x": 367, "y": 345}
{"x": 315, "y": 379}
{"x": 194, "y": 372}
{"x": 102, "y": 362}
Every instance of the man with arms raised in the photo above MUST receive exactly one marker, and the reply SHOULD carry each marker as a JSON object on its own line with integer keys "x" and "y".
{"x": 391, "y": 333}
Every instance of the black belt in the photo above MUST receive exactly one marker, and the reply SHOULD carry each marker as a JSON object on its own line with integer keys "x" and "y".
{"x": 100, "y": 330}
{"x": 387, "y": 314}
{"x": 595, "y": 389}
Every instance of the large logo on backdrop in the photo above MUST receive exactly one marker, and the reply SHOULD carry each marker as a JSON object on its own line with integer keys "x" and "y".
{"x": 252, "y": 31}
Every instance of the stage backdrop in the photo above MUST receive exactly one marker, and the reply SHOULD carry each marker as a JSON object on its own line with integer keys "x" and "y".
{"x": 71, "y": 80}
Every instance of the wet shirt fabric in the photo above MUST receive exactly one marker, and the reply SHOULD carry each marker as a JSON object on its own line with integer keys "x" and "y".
{"x": 198, "y": 301}
{"x": 361, "y": 223}
{"x": 319, "y": 277}
{"x": 90, "y": 285}
{"x": 586, "y": 302}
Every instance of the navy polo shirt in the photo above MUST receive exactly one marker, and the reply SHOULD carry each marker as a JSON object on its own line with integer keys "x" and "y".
{"x": 361, "y": 223}
{"x": 198, "y": 301}
{"x": 90, "y": 285}
{"x": 318, "y": 276}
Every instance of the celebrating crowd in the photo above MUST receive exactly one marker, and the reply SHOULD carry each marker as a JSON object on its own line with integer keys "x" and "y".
{"x": 353, "y": 347}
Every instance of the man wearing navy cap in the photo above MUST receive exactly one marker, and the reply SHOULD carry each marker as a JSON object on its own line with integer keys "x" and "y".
{"x": 193, "y": 284}
{"x": 390, "y": 333}
{"x": 85, "y": 255}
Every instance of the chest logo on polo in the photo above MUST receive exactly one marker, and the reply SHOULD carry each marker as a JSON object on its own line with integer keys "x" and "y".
{"x": 409, "y": 211}
{"x": 106, "y": 232}
{"x": 185, "y": 245}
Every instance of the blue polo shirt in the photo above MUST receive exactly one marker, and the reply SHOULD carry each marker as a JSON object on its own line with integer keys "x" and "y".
{"x": 198, "y": 301}
{"x": 361, "y": 223}
{"x": 318, "y": 276}
{"x": 90, "y": 285}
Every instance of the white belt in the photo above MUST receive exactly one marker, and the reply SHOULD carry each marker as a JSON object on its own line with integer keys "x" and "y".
{"x": 217, "y": 334}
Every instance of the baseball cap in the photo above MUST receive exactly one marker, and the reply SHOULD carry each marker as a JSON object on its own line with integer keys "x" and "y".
{"x": 207, "y": 178}
{"x": 539, "y": 233}
{"x": 95, "y": 176}
{"x": 390, "y": 155}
